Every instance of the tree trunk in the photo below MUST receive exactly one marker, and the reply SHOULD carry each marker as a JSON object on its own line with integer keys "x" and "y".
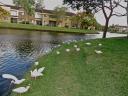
{"x": 106, "y": 28}
{"x": 127, "y": 18}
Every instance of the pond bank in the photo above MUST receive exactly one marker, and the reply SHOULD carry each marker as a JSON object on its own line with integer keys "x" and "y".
{"x": 85, "y": 72}
{"x": 44, "y": 28}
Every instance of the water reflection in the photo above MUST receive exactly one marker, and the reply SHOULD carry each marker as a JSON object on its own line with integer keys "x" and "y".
{"x": 19, "y": 49}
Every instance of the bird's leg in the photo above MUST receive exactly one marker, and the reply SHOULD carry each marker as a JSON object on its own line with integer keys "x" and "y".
{"x": 10, "y": 84}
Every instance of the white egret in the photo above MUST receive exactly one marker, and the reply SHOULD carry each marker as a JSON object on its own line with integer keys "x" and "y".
{"x": 37, "y": 72}
{"x": 77, "y": 49}
{"x": 88, "y": 43}
{"x": 57, "y": 52}
{"x": 36, "y": 63}
{"x": 14, "y": 79}
{"x": 75, "y": 46}
{"x": 21, "y": 90}
{"x": 99, "y": 44}
{"x": 98, "y": 52}
{"x": 68, "y": 43}
{"x": 59, "y": 45}
{"x": 67, "y": 50}
{"x": 46, "y": 51}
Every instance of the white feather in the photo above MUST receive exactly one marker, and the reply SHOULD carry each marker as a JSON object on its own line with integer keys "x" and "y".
{"x": 12, "y": 77}
{"x": 88, "y": 43}
{"x": 77, "y": 49}
{"x": 100, "y": 44}
{"x": 98, "y": 52}
{"x": 37, "y": 73}
{"x": 21, "y": 90}
{"x": 75, "y": 46}
{"x": 57, "y": 52}
{"x": 36, "y": 63}
{"x": 40, "y": 70}
{"x": 67, "y": 50}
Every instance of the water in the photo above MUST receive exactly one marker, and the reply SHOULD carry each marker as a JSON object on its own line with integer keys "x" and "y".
{"x": 20, "y": 49}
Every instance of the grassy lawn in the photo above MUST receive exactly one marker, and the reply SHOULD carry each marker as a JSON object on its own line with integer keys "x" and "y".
{"x": 83, "y": 73}
{"x": 43, "y": 28}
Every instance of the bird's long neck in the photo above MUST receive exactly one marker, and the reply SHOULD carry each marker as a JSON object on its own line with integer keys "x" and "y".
{"x": 27, "y": 87}
{"x": 21, "y": 80}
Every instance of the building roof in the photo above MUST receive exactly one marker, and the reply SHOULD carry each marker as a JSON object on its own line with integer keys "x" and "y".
{"x": 52, "y": 12}
{"x": 11, "y": 6}
{"x": 37, "y": 10}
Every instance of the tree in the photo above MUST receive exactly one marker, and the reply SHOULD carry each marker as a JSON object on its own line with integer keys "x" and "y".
{"x": 107, "y": 7}
{"x": 39, "y": 4}
{"x": 27, "y": 5}
{"x": 60, "y": 13}
{"x": 84, "y": 20}
{"x": 125, "y": 14}
{"x": 3, "y": 13}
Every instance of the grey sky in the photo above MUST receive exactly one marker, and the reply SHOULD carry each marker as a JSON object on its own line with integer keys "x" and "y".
{"x": 50, "y": 4}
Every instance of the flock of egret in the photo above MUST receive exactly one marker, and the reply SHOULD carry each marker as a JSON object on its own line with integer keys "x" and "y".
{"x": 77, "y": 48}
{"x": 38, "y": 72}
{"x": 34, "y": 74}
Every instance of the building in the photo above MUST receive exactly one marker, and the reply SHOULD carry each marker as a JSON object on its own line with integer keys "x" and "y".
{"x": 42, "y": 17}
{"x": 118, "y": 28}
{"x": 48, "y": 18}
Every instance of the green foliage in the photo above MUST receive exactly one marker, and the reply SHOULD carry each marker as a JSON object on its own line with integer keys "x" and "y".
{"x": 60, "y": 13}
{"x": 39, "y": 4}
{"x": 27, "y": 5}
{"x": 84, "y": 20}
{"x": 3, "y": 13}
{"x": 87, "y": 5}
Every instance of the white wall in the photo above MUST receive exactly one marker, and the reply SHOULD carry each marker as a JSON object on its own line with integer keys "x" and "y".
{"x": 14, "y": 12}
{"x": 38, "y": 15}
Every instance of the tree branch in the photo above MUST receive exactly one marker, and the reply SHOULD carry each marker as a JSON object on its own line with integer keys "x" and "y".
{"x": 111, "y": 9}
{"x": 118, "y": 4}
{"x": 103, "y": 9}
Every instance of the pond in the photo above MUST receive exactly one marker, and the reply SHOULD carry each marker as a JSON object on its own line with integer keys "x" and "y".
{"x": 19, "y": 49}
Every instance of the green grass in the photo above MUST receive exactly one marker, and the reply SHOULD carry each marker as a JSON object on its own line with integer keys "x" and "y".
{"x": 83, "y": 73}
{"x": 43, "y": 28}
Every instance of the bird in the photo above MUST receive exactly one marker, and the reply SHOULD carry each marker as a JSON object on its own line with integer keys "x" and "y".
{"x": 21, "y": 90}
{"x": 37, "y": 72}
{"x": 68, "y": 43}
{"x": 67, "y": 50}
{"x": 100, "y": 44}
{"x": 14, "y": 79}
{"x": 57, "y": 52}
{"x": 75, "y": 46}
{"x": 59, "y": 45}
{"x": 88, "y": 43}
{"x": 77, "y": 49}
{"x": 98, "y": 52}
{"x": 36, "y": 63}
